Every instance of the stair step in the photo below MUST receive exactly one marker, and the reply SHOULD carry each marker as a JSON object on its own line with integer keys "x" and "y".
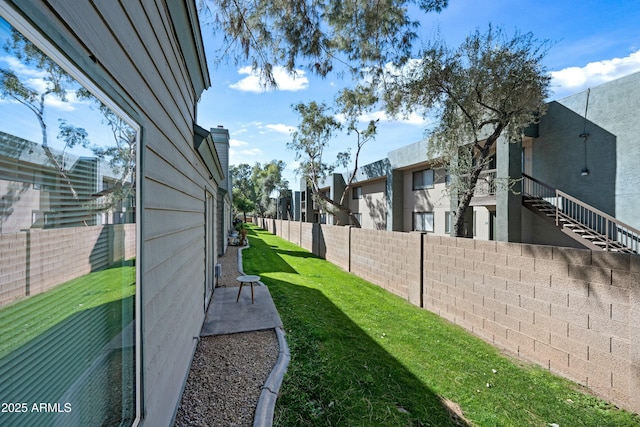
{"x": 545, "y": 206}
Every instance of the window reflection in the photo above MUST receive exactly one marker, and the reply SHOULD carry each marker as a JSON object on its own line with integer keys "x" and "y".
{"x": 67, "y": 246}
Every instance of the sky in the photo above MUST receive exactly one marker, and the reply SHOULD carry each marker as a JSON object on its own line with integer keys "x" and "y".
{"x": 593, "y": 41}
{"x": 22, "y": 122}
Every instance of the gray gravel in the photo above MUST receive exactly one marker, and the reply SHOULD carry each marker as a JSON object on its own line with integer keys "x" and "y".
{"x": 228, "y": 371}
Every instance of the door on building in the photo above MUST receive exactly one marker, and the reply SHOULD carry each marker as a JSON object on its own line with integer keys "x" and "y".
{"x": 209, "y": 249}
{"x": 492, "y": 225}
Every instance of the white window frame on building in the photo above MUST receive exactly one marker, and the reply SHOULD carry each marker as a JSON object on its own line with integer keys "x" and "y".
{"x": 356, "y": 192}
{"x": 423, "y": 221}
{"x": 447, "y": 222}
{"x": 422, "y": 179}
{"x": 358, "y": 216}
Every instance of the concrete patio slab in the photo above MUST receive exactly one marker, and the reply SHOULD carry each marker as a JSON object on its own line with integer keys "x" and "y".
{"x": 226, "y": 316}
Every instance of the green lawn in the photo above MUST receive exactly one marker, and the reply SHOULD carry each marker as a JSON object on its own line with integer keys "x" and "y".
{"x": 53, "y": 346}
{"x": 30, "y": 317}
{"x": 361, "y": 356}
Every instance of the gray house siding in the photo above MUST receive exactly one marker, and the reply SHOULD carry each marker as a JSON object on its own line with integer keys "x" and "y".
{"x": 146, "y": 55}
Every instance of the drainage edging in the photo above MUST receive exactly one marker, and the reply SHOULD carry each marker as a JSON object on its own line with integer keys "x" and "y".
{"x": 263, "y": 416}
{"x": 266, "y": 404}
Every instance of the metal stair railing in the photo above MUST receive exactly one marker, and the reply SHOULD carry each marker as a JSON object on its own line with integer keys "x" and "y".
{"x": 569, "y": 210}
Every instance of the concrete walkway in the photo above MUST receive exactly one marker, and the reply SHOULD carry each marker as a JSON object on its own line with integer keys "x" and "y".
{"x": 226, "y": 316}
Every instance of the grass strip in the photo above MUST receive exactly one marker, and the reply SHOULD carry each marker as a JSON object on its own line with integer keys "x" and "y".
{"x": 361, "y": 356}
{"x": 30, "y": 317}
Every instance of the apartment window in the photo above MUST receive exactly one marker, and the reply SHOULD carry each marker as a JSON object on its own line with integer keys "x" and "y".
{"x": 423, "y": 221}
{"x": 447, "y": 222}
{"x": 356, "y": 192}
{"x": 68, "y": 327}
{"x": 358, "y": 217}
{"x": 423, "y": 179}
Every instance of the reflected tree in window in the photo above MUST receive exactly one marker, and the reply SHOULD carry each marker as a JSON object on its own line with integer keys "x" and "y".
{"x": 53, "y": 82}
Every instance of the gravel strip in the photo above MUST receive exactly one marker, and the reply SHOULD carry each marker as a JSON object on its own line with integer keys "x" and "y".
{"x": 228, "y": 371}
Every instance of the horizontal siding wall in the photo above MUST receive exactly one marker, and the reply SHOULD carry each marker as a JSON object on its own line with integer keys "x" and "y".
{"x": 572, "y": 311}
{"x": 139, "y": 61}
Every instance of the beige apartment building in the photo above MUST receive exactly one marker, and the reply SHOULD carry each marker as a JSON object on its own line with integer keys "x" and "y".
{"x": 574, "y": 179}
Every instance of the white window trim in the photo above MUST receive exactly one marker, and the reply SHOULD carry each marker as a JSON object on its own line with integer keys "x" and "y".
{"x": 423, "y": 186}
{"x": 414, "y": 216}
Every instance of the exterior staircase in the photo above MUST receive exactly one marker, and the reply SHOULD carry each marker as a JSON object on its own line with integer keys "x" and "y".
{"x": 585, "y": 224}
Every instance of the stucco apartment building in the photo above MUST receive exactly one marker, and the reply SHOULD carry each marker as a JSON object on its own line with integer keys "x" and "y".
{"x": 98, "y": 318}
{"x": 585, "y": 147}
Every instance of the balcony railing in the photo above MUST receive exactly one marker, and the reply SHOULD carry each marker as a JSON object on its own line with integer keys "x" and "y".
{"x": 601, "y": 229}
{"x": 486, "y": 184}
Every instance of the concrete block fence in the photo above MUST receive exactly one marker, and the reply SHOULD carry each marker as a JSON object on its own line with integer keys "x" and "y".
{"x": 575, "y": 312}
{"x": 34, "y": 261}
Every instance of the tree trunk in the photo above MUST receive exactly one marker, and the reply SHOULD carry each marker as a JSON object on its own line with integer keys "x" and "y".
{"x": 465, "y": 201}
{"x": 340, "y": 207}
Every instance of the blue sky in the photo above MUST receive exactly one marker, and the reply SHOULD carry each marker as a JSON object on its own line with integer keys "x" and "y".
{"x": 595, "y": 41}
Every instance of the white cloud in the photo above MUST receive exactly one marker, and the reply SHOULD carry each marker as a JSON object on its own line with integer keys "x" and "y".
{"x": 411, "y": 119}
{"x": 244, "y": 155}
{"x": 285, "y": 81}
{"x": 236, "y": 143}
{"x": 574, "y": 79}
{"x": 22, "y": 70}
{"x": 251, "y": 152}
{"x": 281, "y": 128}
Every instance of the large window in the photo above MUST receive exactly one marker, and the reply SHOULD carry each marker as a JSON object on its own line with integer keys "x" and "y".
{"x": 356, "y": 192}
{"x": 423, "y": 179}
{"x": 423, "y": 221}
{"x": 358, "y": 216}
{"x": 68, "y": 282}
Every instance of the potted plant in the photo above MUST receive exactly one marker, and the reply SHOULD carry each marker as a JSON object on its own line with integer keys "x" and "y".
{"x": 243, "y": 233}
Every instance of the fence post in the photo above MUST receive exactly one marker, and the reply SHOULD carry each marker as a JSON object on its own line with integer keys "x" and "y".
{"x": 349, "y": 248}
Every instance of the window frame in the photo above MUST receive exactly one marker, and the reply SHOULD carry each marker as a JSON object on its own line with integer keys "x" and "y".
{"x": 423, "y": 216}
{"x": 356, "y": 192}
{"x": 358, "y": 216}
{"x": 35, "y": 36}
{"x": 448, "y": 222}
{"x": 422, "y": 173}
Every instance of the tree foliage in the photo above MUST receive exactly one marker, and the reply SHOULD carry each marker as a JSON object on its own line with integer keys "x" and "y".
{"x": 493, "y": 85}
{"x": 255, "y": 186}
{"x": 317, "y": 127}
{"x": 267, "y": 180}
{"x": 243, "y": 189}
{"x": 315, "y": 34}
{"x": 58, "y": 83}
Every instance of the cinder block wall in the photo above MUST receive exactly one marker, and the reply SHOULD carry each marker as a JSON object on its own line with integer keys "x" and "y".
{"x": 389, "y": 259}
{"x": 572, "y": 311}
{"x": 308, "y": 237}
{"x": 295, "y": 232}
{"x": 569, "y": 310}
{"x": 335, "y": 245}
{"x": 37, "y": 260}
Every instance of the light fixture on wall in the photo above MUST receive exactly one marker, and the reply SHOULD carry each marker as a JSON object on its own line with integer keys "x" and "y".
{"x": 585, "y": 135}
